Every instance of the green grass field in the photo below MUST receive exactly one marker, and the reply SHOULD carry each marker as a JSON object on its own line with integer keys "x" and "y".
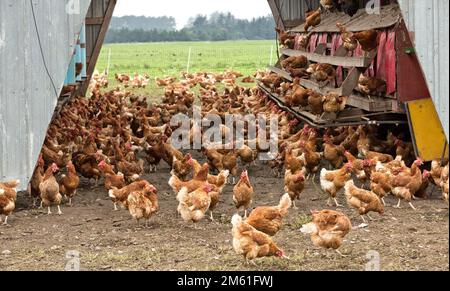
{"x": 169, "y": 59}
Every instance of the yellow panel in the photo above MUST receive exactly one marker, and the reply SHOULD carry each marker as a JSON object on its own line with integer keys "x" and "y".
{"x": 427, "y": 129}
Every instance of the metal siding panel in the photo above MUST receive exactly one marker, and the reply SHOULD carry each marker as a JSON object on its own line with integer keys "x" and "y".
{"x": 27, "y": 98}
{"x": 429, "y": 20}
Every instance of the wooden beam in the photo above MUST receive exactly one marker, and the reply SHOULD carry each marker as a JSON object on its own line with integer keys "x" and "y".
{"x": 99, "y": 43}
{"x": 341, "y": 52}
{"x": 94, "y": 21}
{"x": 350, "y": 82}
{"x": 281, "y": 73}
{"x": 321, "y": 49}
{"x": 374, "y": 104}
{"x": 349, "y": 117}
{"x": 276, "y": 14}
{"x": 360, "y": 62}
{"x": 324, "y": 90}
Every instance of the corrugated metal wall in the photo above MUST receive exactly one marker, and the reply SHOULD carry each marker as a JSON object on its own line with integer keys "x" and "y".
{"x": 27, "y": 97}
{"x": 429, "y": 20}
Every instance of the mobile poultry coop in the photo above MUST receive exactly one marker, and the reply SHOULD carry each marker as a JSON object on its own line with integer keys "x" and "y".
{"x": 397, "y": 61}
{"x": 45, "y": 45}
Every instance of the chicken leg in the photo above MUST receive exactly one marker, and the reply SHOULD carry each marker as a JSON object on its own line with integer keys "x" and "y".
{"x": 341, "y": 254}
{"x": 412, "y": 206}
{"x": 59, "y": 210}
{"x": 337, "y": 203}
{"x": 49, "y": 212}
{"x": 398, "y": 204}
{"x": 211, "y": 215}
{"x": 363, "y": 219}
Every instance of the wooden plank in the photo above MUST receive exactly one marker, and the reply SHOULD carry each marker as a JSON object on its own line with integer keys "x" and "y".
{"x": 350, "y": 82}
{"x": 321, "y": 48}
{"x": 94, "y": 21}
{"x": 308, "y": 84}
{"x": 371, "y": 105}
{"x": 97, "y": 8}
{"x": 313, "y": 117}
{"x": 99, "y": 41}
{"x": 411, "y": 82}
{"x": 276, "y": 14}
{"x": 360, "y": 62}
{"x": 281, "y": 73}
{"x": 341, "y": 52}
{"x": 388, "y": 16}
{"x": 349, "y": 117}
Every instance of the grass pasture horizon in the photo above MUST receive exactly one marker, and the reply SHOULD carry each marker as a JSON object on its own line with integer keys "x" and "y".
{"x": 171, "y": 58}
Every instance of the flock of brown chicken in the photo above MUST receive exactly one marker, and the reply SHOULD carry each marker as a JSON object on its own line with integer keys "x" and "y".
{"x": 114, "y": 136}
{"x": 299, "y": 67}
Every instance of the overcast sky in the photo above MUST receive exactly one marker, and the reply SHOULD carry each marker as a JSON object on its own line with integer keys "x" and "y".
{"x": 182, "y": 10}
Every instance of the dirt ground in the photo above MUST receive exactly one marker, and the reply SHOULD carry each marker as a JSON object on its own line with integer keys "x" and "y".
{"x": 108, "y": 240}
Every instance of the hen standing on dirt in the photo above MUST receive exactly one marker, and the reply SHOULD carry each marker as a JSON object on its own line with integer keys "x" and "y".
{"x": 50, "y": 189}
{"x": 243, "y": 193}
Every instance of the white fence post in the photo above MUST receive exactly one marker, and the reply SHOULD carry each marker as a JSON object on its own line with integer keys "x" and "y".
{"x": 271, "y": 56}
{"x": 109, "y": 62}
{"x": 189, "y": 60}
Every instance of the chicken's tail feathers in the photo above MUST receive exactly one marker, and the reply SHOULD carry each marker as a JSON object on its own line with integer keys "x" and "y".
{"x": 111, "y": 194}
{"x": 285, "y": 202}
{"x": 349, "y": 184}
{"x": 309, "y": 228}
{"x": 226, "y": 173}
{"x": 182, "y": 194}
{"x": 197, "y": 216}
{"x": 237, "y": 219}
{"x": 135, "y": 177}
{"x": 323, "y": 172}
{"x": 173, "y": 180}
{"x": 12, "y": 184}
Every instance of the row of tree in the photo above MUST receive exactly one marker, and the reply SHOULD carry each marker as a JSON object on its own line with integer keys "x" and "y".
{"x": 143, "y": 22}
{"x": 216, "y": 27}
